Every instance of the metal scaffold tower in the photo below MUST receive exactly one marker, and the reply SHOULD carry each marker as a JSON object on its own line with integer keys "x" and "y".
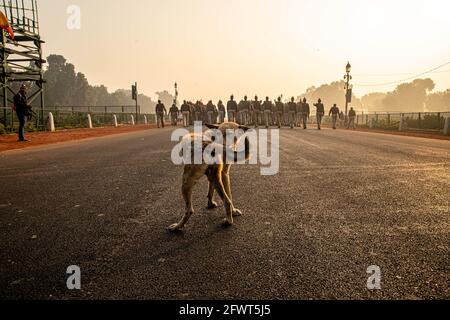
{"x": 21, "y": 53}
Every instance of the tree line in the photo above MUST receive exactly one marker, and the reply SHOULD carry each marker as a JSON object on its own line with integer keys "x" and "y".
{"x": 415, "y": 96}
{"x": 66, "y": 87}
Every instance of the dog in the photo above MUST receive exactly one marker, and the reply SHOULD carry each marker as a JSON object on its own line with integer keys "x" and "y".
{"x": 218, "y": 176}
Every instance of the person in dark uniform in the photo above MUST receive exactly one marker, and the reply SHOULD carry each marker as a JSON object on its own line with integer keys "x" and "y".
{"x": 222, "y": 112}
{"x": 305, "y": 113}
{"x": 185, "y": 112}
{"x": 232, "y": 109}
{"x": 320, "y": 113}
{"x": 351, "y": 119}
{"x": 198, "y": 111}
{"x": 210, "y": 109}
{"x": 279, "y": 107}
{"x": 243, "y": 111}
{"x": 174, "y": 112}
{"x": 267, "y": 108}
{"x": 285, "y": 118}
{"x": 22, "y": 109}
{"x": 334, "y": 113}
{"x": 161, "y": 111}
{"x": 191, "y": 113}
{"x": 256, "y": 111}
{"x": 292, "y": 106}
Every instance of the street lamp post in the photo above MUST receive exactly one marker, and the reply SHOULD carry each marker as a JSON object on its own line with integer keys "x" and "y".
{"x": 176, "y": 93}
{"x": 348, "y": 88}
{"x": 134, "y": 96}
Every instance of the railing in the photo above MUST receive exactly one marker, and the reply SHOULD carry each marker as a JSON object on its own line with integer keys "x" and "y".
{"x": 412, "y": 121}
{"x": 76, "y": 117}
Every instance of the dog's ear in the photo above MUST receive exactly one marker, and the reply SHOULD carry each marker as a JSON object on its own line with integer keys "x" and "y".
{"x": 212, "y": 126}
{"x": 244, "y": 128}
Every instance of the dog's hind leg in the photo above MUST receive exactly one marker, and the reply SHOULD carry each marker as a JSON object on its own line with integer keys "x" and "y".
{"x": 211, "y": 203}
{"x": 227, "y": 185}
{"x": 216, "y": 181}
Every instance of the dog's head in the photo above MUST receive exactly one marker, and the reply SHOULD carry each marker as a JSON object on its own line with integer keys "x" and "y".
{"x": 224, "y": 127}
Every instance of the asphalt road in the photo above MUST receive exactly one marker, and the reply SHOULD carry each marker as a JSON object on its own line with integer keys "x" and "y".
{"x": 341, "y": 202}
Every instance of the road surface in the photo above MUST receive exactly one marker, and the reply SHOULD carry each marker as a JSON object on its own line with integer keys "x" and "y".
{"x": 341, "y": 202}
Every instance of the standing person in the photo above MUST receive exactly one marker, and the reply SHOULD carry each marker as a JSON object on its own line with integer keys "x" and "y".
{"x": 161, "y": 111}
{"x": 305, "y": 114}
{"x": 286, "y": 114}
{"x": 210, "y": 108}
{"x": 215, "y": 114}
{"x": 191, "y": 112}
{"x": 334, "y": 113}
{"x": 232, "y": 109}
{"x": 174, "y": 112}
{"x": 267, "y": 107}
{"x": 204, "y": 113}
{"x": 240, "y": 112}
{"x": 221, "y": 108}
{"x": 274, "y": 113}
{"x": 198, "y": 111}
{"x": 320, "y": 110}
{"x": 299, "y": 112}
{"x": 292, "y": 106}
{"x": 279, "y": 112}
{"x": 351, "y": 118}
{"x": 185, "y": 112}
{"x": 256, "y": 107}
{"x": 243, "y": 110}
{"x": 22, "y": 109}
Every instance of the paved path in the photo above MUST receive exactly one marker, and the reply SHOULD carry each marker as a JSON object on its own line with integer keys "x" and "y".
{"x": 341, "y": 202}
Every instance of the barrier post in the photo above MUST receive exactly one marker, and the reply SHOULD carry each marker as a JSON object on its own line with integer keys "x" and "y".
{"x": 447, "y": 126}
{"x": 89, "y": 121}
{"x": 115, "y": 121}
{"x": 51, "y": 123}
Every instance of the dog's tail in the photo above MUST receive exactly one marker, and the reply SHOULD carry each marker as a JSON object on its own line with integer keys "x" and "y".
{"x": 243, "y": 155}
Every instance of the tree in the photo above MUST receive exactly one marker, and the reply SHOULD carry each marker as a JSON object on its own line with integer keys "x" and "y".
{"x": 166, "y": 98}
{"x": 330, "y": 94}
{"x": 373, "y": 101}
{"x": 65, "y": 87}
{"x": 54, "y": 93}
{"x": 439, "y": 101}
{"x": 409, "y": 97}
{"x": 81, "y": 93}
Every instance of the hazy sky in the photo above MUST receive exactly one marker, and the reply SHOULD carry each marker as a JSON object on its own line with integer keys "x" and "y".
{"x": 267, "y": 47}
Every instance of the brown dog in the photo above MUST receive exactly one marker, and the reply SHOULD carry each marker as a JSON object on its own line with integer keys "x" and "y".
{"x": 218, "y": 176}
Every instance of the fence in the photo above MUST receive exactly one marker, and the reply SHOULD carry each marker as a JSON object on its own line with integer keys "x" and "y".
{"x": 413, "y": 121}
{"x": 76, "y": 117}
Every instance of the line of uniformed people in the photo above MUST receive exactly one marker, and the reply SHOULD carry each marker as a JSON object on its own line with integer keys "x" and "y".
{"x": 256, "y": 112}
